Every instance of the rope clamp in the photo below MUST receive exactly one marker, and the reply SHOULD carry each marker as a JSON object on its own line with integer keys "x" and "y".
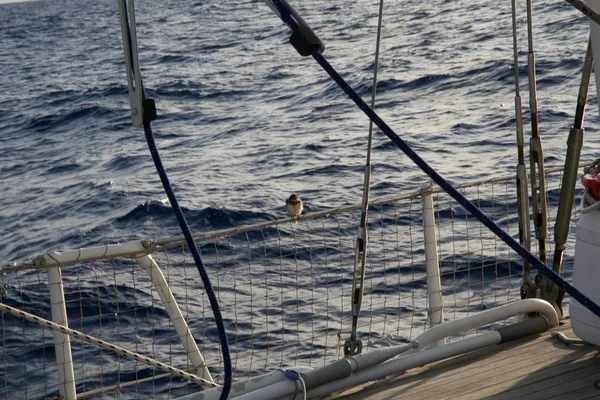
{"x": 303, "y": 38}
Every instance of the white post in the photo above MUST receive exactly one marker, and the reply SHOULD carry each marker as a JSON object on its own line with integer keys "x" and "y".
{"x": 434, "y": 286}
{"x": 72, "y": 257}
{"x": 62, "y": 342}
{"x": 183, "y": 331}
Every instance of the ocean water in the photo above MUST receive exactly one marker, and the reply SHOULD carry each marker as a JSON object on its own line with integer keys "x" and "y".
{"x": 244, "y": 121}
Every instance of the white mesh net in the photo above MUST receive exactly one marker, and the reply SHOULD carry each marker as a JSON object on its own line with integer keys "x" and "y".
{"x": 284, "y": 289}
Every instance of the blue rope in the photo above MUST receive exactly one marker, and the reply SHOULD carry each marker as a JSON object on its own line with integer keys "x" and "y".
{"x": 438, "y": 179}
{"x": 189, "y": 239}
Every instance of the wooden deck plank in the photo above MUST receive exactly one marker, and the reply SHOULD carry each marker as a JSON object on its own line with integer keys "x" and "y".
{"x": 536, "y": 368}
{"x": 501, "y": 376}
{"x": 582, "y": 387}
{"x": 485, "y": 368}
{"x": 512, "y": 363}
{"x": 447, "y": 371}
{"x": 551, "y": 376}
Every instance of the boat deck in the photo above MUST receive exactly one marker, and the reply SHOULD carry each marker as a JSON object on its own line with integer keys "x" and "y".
{"x": 537, "y": 367}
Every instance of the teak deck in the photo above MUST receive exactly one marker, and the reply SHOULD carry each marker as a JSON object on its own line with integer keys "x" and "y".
{"x": 537, "y": 367}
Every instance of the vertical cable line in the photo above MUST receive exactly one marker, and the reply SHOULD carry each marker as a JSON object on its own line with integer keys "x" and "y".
{"x": 437, "y": 178}
{"x": 354, "y": 345}
{"x": 536, "y": 153}
{"x": 569, "y": 178}
{"x": 455, "y": 194}
{"x": 527, "y": 288}
{"x": 185, "y": 229}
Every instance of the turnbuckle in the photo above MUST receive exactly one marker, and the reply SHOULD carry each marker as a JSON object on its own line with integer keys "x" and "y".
{"x": 353, "y": 346}
{"x": 538, "y": 195}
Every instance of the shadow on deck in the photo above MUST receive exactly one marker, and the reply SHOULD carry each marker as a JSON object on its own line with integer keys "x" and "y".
{"x": 537, "y": 367}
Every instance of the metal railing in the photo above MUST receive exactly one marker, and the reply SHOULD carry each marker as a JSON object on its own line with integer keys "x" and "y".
{"x": 284, "y": 290}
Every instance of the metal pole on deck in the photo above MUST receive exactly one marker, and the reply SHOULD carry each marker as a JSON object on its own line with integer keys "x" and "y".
{"x": 176, "y": 316}
{"x": 536, "y": 154}
{"x": 528, "y": 287}
{"x": 434, "y": 284}
{"x": 354, "y": 344}
{"x": 569, "y": 178}
{"x": 62, "y": 342}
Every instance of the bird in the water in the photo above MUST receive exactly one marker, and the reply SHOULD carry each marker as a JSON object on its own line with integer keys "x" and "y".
{"x": 294, "y": 206}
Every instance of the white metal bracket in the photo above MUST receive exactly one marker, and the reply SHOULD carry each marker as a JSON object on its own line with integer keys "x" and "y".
{"x": 134, "y": 78}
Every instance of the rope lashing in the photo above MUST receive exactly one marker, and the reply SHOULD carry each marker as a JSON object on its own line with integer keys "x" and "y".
{"x": 105, "y": 345}
{"x": 149, "y": 113}
{"x": 443, "y": 183}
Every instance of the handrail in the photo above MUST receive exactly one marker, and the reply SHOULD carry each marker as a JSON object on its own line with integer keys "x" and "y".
{"x": 140, "y": 248}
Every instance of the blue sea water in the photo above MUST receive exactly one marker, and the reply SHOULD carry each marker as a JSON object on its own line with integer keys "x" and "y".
{"x": 244, "y": 121}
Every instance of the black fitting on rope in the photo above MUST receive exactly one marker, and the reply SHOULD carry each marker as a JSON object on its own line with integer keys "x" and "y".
{"x": 149, "y": 110}
{"x": 304, "y": 40}
{"x": 445, "y": 185}
{"x": 521, "y": 329}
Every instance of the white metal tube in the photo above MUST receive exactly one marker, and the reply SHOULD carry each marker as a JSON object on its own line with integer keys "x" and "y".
{"x": 62, "y": 342}
{"x": 520, "y": 307}
{"x": 406, "y": 362}
{"x": 130, "y": 47}
{"x": 288, "y": 388}
{"x": 434, "y": 285}
{"x": 377, "y": 356}
{"x": 240, "y": 388}
{"x": 91, "y": 253}
{"x": 177, "y": 318}
{"x": 276, "y": 391}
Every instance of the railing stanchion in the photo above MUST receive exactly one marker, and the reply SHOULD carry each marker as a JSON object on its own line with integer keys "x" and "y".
{"x": 175, "y": 315}
{"x": 62, "y": 342}
{"x": 434, "y": 285}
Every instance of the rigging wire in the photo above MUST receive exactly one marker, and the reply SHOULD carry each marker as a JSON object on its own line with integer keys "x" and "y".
{"x": 536, "y": 153}
{"x": 433, "y": 174}
{"x": 543, "y": 287}
{"x": 353, "y": 346}
{"x": 227, "y": 364}
{"x": 454, "y": 193}
{"x": 569, "y": 178}
{"x": 527, "y": 288}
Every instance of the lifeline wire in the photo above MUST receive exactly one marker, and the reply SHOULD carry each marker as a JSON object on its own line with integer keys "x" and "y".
{"x": 192, "y": 246}
{"x": 437, "y": 178}
{"x": 104, "y": 345}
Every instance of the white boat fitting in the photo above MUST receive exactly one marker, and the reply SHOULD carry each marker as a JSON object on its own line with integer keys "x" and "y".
{"x": 371, "y": 366}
